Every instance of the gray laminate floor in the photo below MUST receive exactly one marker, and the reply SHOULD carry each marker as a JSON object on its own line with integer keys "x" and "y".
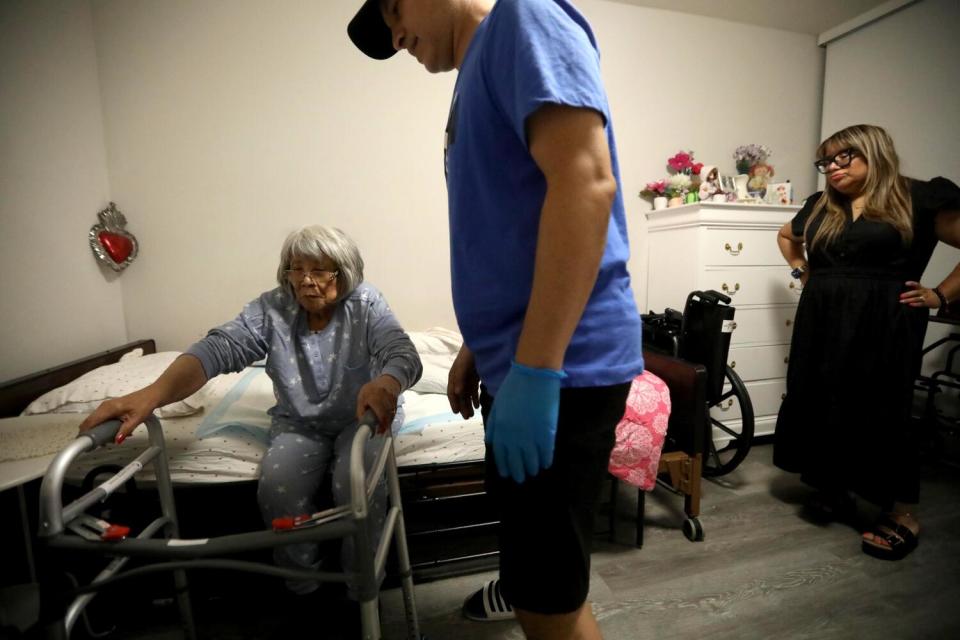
{"x": 763, "y": 571}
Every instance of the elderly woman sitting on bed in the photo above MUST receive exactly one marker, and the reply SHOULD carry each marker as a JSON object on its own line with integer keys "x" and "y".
{"x": 333, "y": 349}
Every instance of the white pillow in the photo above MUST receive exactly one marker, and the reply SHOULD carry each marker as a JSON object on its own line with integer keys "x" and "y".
{"x": 85, "y": 394}
{"x": 438, "y": 349}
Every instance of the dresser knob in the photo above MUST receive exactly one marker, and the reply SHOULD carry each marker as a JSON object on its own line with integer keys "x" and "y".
{"x": 733, "y": 325}
{"x": 726, "y": 289}
{"x": 789, "y": 322}
{"x": 786, "y": 360}
{"x": 731, "y": 250}
{"x": 783, "y": 397}
{"x": 733, "y": 365}
{"x": 725, "y": 407}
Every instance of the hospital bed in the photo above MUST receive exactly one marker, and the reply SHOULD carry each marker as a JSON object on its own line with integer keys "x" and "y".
{"x": 219, "y": 434}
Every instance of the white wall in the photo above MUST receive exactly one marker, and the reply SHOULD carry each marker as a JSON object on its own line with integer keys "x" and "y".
{"x": 57, "y": 304}
{"x": 228, "y": 124}
{"x": 902, "y": 73}
{"x": 678, "y": 81}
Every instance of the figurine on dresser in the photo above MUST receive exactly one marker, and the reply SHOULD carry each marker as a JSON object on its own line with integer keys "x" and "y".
{"x": 709, "y": 183}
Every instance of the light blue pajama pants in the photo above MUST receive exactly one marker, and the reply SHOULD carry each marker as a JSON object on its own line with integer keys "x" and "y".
{"x": 291, "y": 474}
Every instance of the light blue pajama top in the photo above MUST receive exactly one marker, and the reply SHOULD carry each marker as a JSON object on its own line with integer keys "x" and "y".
{"x": 316, "y": 374}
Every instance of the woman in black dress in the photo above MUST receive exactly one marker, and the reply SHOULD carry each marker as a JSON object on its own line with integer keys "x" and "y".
{"x": 845, "y": 422}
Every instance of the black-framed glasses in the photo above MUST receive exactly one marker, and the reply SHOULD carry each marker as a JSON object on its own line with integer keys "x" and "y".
{"x": 319, "y": 276}
{"x": 841, "y": 159}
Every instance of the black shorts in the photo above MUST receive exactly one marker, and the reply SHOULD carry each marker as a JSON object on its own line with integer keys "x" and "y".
{"x": 546, "y": 522}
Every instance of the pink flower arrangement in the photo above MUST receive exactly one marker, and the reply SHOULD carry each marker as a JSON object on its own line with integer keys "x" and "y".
{"x": 680, "y": 167}
{"x": 654, "y": 189}
{"x": 683, "y": 162}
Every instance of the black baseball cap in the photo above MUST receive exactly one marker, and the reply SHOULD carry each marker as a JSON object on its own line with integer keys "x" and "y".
{"x": 370, "y": 33}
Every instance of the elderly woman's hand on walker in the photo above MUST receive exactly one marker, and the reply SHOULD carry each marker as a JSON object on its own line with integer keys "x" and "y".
{"x": 380, "y": 395}
{"x": 182, "y": 378}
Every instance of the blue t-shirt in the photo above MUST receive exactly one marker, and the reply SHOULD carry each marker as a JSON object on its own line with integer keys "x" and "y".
{"x": 524, "y": 55}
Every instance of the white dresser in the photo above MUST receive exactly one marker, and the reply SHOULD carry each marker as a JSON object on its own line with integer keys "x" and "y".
{"x": 731, "y": 248}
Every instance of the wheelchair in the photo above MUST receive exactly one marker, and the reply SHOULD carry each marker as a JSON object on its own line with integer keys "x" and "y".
{"x": 701, "y": 334}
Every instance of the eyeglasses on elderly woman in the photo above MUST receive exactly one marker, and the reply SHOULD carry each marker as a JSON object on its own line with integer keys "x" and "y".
{"x": 841, "y": 158}
{"x": 319, "y": 276}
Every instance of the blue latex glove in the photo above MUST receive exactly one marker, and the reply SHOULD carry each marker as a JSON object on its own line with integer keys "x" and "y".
{"x": 523, "y": 421}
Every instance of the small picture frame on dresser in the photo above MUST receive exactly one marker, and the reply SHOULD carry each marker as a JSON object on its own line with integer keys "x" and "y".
{"x": 728, "y": 185}
{"x": 779, "y": 193}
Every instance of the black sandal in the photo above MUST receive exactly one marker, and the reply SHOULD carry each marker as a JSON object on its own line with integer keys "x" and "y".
{"x": 900, "y": 538}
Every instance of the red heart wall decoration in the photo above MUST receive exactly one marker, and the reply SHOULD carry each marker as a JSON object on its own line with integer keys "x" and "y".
{"x": 113, "y": 245}
{"x": 118, "y": 247}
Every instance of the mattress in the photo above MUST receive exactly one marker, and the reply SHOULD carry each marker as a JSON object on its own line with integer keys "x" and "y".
{"x": 225, "y": 441}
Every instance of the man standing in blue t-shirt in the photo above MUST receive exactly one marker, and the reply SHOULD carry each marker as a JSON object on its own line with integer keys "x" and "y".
{"x": 540, "y": 286}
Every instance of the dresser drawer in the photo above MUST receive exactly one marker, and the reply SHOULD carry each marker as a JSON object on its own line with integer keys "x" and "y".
{"x": 759, "y": 363}
{"x": 741, "y": 247}
{"x": 765, "y": 396}
{"x": 753, "y": 285}
{"x": 773, "y": 325}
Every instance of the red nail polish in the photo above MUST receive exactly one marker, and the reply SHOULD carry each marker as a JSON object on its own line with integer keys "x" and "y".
{"x": 120, "y": 438}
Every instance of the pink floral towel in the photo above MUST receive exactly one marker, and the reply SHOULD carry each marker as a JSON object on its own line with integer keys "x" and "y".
{"x": 641, "y": 432}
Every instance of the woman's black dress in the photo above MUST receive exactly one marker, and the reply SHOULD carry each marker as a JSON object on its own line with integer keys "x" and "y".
{"x": 855, "y": 353}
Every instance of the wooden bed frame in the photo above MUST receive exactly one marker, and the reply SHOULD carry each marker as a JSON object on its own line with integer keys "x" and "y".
{"x": 16, "y": 394}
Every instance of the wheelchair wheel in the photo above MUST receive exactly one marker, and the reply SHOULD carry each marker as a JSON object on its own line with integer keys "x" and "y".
{"x": 723, "y": 457}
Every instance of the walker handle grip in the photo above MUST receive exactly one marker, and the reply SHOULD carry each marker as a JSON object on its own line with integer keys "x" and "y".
{"x": 103, "y": 433}
{"x": 370, "y": 419}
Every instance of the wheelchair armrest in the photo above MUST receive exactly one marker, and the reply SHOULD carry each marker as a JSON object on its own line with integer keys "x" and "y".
{"x": 688, "y": 400}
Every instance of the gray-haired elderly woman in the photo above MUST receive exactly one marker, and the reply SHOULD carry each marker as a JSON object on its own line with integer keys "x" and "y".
{"x": 333, "y": 349}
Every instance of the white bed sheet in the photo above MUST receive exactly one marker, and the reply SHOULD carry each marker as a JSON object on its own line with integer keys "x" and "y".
{"x": 227, "y": 439}
{"x": 432, "y": 434}
{"x": 225, "y": 442}
{"x": 228, "y": 455}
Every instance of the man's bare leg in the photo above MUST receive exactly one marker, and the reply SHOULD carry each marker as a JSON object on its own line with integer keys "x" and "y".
{"x": 578, "y": 625}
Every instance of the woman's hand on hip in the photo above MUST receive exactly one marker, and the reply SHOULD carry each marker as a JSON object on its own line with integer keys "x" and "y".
{"x": 919, "y": 296}
{"x": 380, "y": 396}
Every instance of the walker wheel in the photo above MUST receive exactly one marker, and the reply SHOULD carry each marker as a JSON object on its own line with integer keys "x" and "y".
{"x": 693, "y": 530}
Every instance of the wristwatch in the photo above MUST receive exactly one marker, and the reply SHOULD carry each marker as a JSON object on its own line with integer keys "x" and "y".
{"x": 799, "y": 271}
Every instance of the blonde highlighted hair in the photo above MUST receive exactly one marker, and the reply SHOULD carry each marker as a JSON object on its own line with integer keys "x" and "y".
{"x": 887, "y": 192}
